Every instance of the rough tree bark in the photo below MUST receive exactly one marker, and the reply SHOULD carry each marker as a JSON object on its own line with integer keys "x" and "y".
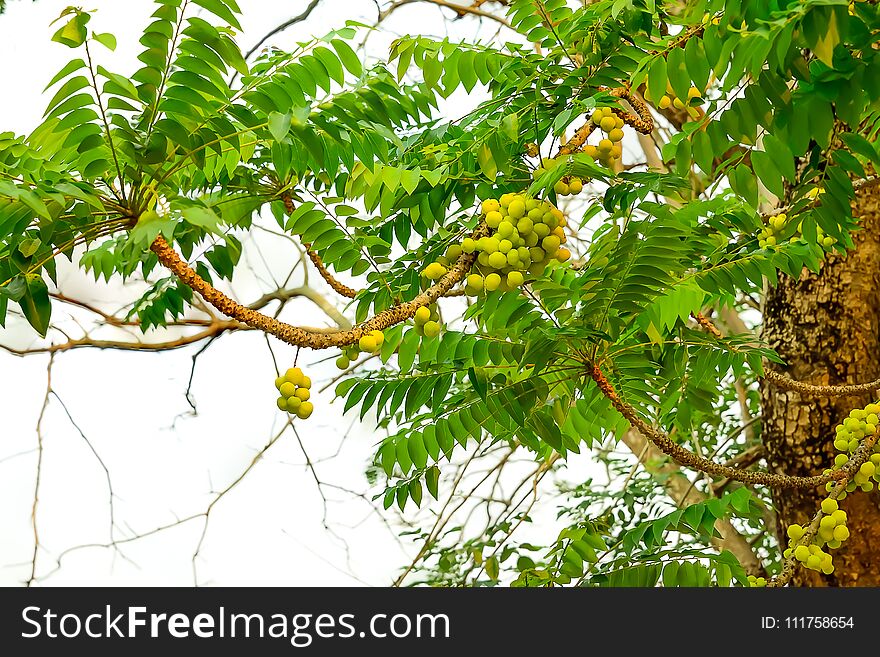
{"x": 826, "y": 327}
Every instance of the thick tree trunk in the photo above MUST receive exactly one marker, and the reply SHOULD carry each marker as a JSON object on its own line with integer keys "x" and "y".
{"x": 827, "y": 329}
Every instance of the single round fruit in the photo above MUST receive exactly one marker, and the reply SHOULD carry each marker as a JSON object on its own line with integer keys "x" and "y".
{"x": 493, "y": 219}
{"x": 468, "y": 245}
{"x": 368, "y": 343}
{"x": 303, "y": 393}
{"x": 282, "y": 403}
{"x": 841, "y": 533}
{"x": 294, "y": 375}
{"x": 431, "y": 329}
{"x": 490, "y": 205}
{"x": 497, "y": 260}
{"x": 524, "y": 226}
{"x": 801, "y": 553}
{"x": 306, "y": 383}
{"x": 422, "y": 315}
{"x": 517, "y": 209}
{"x": 279, "y": 382}
{"x": 505, "y": 229}
{"x": 576, "y": 186}
{"x": 607, "y": 123}
{"x": 504, "y": 246}
{"x": 475, "y": 281}
{"x": 550, "y": 243}
{"x": 616, "y": 135}
{"x": 287, "y": 389}
{"x": 492, "y": 282}
{"x": 605, "y": 147}
{"x": 434, "y": 271}
{"x": 515, "y": 279}
{"x": 561, "y": 188}
{"x": 305, "y": 410}
{"x": 343, "y": 362}
{"x": 795, "y": 532}
{"x": 829, "y": 506}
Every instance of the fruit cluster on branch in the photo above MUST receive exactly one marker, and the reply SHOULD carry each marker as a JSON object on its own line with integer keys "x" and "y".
{"x": 294, "y": 389}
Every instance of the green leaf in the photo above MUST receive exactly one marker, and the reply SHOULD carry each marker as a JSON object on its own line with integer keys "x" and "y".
{"x": 106, "y": 39}
{"x": 35, "y": 304}
{"x": 657, "y": 79}
{"x": 487, "y": 162}
{"x": 827, "y": 42}
{"x": 432, "y": 479}
{"x": 348, "y": 57}
{"x": 279, "y": 125}
{"x": 202, "y": 217}
{"x": 768, "y": 173}
{"x": 220, "y": 9}
{"x": 492, "y": 567}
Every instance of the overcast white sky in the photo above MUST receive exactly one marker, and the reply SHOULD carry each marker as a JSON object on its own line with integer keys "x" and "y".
{"x": 164, "y": 463}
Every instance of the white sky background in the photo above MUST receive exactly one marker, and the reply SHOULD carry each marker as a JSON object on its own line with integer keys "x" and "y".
{"x": 163, "y": 461}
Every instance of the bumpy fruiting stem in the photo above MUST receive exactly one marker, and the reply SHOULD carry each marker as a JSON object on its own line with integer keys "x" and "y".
{"x": 810, "y": 390}
{"x": 578, "y": 139}
{"x": 707, "y": 325}
{"x": 340, "y": 288}
{"x": 644, "y": 122}
{"x": 295, "y": 335}
{"x": 806, "y": 389}
{"x": 691, "y": 460}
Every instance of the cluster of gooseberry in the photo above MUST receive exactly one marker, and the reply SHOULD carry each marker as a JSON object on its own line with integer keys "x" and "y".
{"x": 832, "y": 530}
{"x": 526, "y": 234}
{"x": 758, "y": 582}
{"x": 770, "y": 235}
{"x": 670, "y": 99}
{"x": 609, "y": 147}
{"x": 427, "y": 321}
{"x": 370, "y": 343}
{"x": 294, "y": 388}
{"x": 832, "y": 533}
{"x": 848, "y": 436}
